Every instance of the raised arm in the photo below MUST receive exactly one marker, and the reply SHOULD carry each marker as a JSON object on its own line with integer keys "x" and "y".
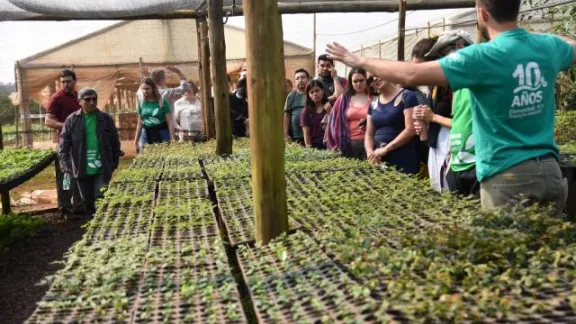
{"x": 410, "y": 74}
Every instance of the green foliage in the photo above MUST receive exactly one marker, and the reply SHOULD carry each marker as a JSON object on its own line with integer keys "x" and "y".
{"x": 369, "y": 245}
{"x": 566, "y": 26}
{"x": 15, "y": 228}
{"x": 14, "y": 162}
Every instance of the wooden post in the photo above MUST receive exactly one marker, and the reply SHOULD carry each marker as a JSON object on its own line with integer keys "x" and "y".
{"x": 444, "y": 24}
{"x": 361, "y": 49}
{"x": 265, "y": 83}
{"x": 380, "y": 49}
{"x": 401, "y": 28}
{"x": 119, "y": 98}
{"x": 219, "y": 78}
{"x": 315, "y": 35}
{"x": 24, "y": 108}
{"x": 6, "y": 209}
{"x": 205, "y": 84}
{"x": 429, "y": 31}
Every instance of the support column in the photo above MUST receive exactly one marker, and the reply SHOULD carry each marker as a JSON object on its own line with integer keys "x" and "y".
{"x": 401, "y": 28}
{"x": 265, "y": 88}
{"x": 24, "y": 108}
{"x": 219, "y": 78}
{"x": 119, "y": 96}
{"x": 204, "y": 77}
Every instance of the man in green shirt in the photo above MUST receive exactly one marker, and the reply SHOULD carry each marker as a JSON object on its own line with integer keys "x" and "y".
{"x": 511, "y": 81}
{"x": 295, "y": 102}
{"x": 90, "y": 148}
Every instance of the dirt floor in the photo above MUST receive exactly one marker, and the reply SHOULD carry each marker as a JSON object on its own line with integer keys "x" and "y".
{"x": 27, "y": 262}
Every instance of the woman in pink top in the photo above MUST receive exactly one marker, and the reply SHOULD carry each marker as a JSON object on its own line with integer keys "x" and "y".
{"x": 347, "y": 122}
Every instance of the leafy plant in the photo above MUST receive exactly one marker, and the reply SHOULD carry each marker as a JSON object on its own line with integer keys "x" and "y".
{"x": 15, "y": 228}
{"x": 15, "y": 162}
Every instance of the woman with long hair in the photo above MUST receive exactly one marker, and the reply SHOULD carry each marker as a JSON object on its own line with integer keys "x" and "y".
{"x": 346, "y": 128}
{"x": 311, "y": 118}
{"x": 390, "y": 135}
{"x": 154, "y": 116}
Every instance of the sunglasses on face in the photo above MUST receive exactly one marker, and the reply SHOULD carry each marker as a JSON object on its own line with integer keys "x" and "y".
{"x": 91, "y": 99}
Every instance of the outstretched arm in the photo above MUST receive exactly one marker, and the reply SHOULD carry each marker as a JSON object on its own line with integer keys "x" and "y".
{"x": 403, "y": 73}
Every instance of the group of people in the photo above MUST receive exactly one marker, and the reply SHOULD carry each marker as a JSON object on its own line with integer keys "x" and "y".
{"x": 165, "y": 114}
{"x": 500, "y": 124}
{"x": 88, "y": 147}
{"x": 484, "y": 124}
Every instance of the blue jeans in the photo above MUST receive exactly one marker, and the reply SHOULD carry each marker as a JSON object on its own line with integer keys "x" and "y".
{"x": 164, "y": 134}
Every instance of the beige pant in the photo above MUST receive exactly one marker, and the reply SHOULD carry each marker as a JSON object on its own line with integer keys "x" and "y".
{"x": 534, "y": 181}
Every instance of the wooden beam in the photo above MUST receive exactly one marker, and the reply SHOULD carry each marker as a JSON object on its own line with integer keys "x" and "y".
{"x": 24, "y": 108}
{"x": 265, "y": 87}
{"x": 219, "y": 78}
{"x": 290, "y": 8}
{"x": 401, "y": 28}
{"x": 204, "y": 76}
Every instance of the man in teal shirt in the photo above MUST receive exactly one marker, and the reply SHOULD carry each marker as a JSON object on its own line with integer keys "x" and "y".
{"x": 511, "y": 82}
{"x": 295, "y": 102}
{"x": 90, "y": 149}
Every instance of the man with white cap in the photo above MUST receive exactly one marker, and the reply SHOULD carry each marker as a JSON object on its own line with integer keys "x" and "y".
{"x": 444, "y": 141}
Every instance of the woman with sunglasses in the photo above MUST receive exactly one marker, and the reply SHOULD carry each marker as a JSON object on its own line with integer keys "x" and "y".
{"x": 346, "y": 128}
{"x": 154, "y": 116}
{"x": 390, "y": 135}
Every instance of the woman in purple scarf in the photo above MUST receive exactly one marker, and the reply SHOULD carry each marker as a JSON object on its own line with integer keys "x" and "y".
{"x": 347, "y": 122}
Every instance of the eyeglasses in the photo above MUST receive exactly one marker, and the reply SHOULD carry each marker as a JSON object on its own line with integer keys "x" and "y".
{"x": 91, "y": 99}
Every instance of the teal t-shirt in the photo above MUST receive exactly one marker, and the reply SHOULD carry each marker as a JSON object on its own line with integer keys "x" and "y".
{"x": 151, "y": 113}
{"x": 295, "y": 102}
{"x": 462, "y": 149}
{"x": 93, "y": 163}
{"x": 511, "y": 81}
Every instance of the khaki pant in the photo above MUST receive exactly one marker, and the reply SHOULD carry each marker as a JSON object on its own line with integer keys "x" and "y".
{"x": 534, "y": 181}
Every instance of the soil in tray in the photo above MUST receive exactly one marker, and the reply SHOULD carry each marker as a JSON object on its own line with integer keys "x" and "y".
{"x": 28, "y": 262}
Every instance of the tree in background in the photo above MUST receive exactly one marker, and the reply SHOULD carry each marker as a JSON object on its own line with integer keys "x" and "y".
{"x": 8, "y": 111}
{"x": 565, "y": 84}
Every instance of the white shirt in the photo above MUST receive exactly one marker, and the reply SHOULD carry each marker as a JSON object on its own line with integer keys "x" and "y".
{"x": 188, "y": 115}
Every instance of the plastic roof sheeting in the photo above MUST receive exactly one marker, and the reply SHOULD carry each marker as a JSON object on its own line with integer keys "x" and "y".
{"x": 21, "y": 9}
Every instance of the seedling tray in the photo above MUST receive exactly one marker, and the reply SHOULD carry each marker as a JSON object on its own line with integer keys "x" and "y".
{"x": 139, "y": 175}
{"x": 292, "y": 281}
{"x": 18, "y": 179}
{"x": 112, "y": 222}
{"x": 144, "y": 162}
{"x": 235, "y": 205}
{"x": 188, "y": 282}
{"x": 98, "y": 284}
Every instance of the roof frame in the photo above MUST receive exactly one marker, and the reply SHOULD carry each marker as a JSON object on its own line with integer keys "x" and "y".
{"x": 328, "y": 6}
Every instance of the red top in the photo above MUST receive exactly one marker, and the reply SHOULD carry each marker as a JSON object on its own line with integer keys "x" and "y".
{"x": 355, "y": 114}
{"x": 61, "y": 105}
